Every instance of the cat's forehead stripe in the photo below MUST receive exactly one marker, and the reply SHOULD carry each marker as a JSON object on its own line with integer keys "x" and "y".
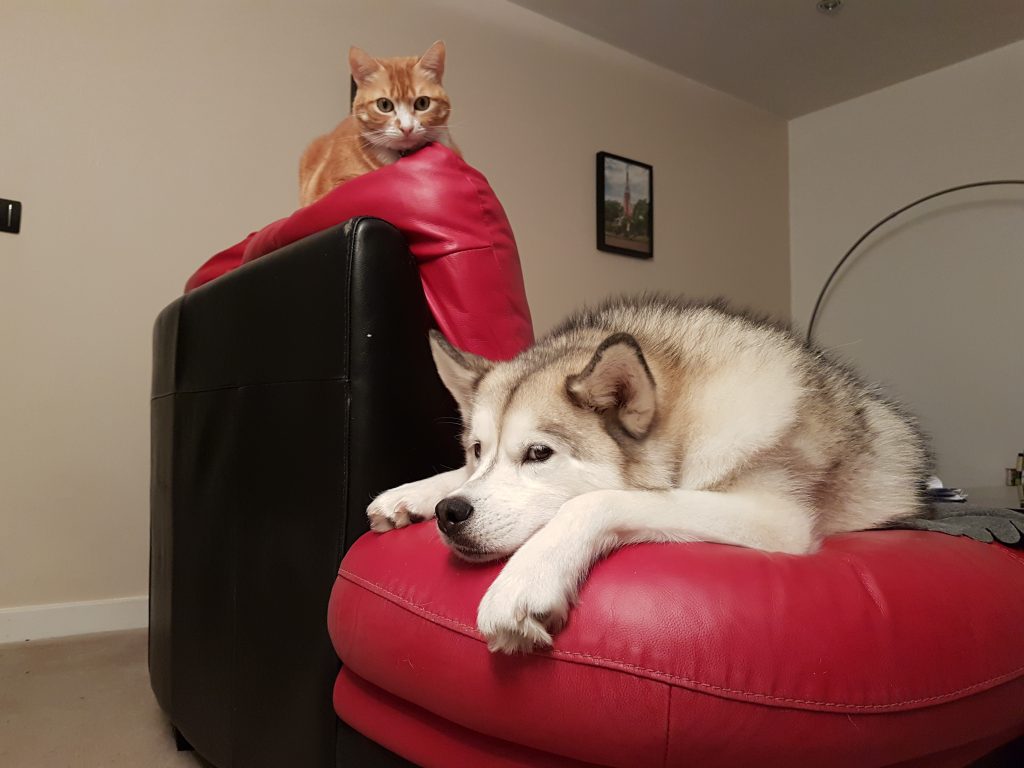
{"x": 400, "y": 79}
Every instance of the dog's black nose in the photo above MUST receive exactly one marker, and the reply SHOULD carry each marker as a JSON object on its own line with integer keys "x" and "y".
{"x": 452, "y": 512}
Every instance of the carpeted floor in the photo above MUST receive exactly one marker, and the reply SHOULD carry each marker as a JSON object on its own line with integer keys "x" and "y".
{"x": 83, "y": 702}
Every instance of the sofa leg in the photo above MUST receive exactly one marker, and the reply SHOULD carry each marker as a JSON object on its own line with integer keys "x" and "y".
{"x": 180, "y": 741}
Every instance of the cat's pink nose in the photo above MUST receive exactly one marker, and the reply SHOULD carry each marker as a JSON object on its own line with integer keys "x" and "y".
{"x": 406, "y": 129}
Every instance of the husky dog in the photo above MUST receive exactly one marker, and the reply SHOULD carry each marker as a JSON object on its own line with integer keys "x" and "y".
{"x": 653, "y": 420}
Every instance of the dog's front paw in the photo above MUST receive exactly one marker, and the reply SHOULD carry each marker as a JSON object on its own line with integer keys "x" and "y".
{"x": 523, "y": 608}
{"x": 409, "y": 503}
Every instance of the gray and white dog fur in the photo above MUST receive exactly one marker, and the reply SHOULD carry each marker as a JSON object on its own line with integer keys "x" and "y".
{"x": 653, "y": 420}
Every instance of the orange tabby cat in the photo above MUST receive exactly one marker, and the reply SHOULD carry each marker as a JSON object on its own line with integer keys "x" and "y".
{"x": 399, "y": 106}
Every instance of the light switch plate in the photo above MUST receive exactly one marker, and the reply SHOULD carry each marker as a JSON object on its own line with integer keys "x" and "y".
{"x": 10, "y": 216}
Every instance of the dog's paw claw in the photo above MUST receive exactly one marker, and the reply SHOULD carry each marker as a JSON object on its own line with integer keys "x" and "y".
{"x": 519, "y": 622}
{"x": 527, "y": 636}
{"x": 400, "y": 507}
{"x": 526, "y": 633}
{"x": 379, "y": 522}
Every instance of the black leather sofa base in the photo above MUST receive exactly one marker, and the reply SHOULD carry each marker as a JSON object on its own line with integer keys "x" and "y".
{"x": 286, "y": 394}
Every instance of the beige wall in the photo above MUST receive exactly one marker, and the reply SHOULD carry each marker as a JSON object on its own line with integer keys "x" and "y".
{"x": 143, "y": 136}
{"x": 932, "y": 306}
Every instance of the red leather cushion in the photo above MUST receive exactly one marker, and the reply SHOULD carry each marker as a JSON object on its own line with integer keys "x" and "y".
{"x": 219, "y": 264}
{"x": 456, "y": 229}
{"x": 884, "y": 647}
{"x": 393, "y": 723}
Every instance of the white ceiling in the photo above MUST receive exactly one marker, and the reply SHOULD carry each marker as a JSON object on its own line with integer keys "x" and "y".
{"x": 785, "y": 55}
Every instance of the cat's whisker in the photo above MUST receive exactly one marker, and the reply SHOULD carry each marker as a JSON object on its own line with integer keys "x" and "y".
{"x": 374, "y": 141}
{"x": 370, "y": 137}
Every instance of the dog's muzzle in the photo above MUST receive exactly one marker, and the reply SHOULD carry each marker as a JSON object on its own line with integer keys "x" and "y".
{"x": 451, "y": 513}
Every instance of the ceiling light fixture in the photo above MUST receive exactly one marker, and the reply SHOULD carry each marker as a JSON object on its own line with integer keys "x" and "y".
{"x": 830, "y": 7}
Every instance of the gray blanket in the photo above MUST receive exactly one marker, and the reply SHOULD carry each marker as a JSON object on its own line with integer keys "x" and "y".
{"x": 986, "y": 524}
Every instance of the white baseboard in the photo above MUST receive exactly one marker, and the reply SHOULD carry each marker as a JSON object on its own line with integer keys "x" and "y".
{"x": 35, "y": 622}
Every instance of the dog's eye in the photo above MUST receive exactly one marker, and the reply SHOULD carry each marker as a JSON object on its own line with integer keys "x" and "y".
{"x": 476, "y": 450}
{"x": 538, "y": 453}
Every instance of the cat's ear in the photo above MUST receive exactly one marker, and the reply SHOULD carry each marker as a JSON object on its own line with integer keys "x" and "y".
{"x": 362, "y": 64}
{"x": 432, "y": 62}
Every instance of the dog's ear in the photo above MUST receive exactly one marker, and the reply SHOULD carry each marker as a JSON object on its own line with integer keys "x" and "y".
{"x": 617, "y": 377}
{"x": 460, "y": 371}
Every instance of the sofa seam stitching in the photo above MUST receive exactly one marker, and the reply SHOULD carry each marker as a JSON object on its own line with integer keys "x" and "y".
{"x": 329, "y": 380}
{"x": 639, "y": 670}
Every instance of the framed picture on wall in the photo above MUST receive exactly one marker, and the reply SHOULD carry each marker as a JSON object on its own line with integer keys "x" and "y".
{"x": 625, "y": 206}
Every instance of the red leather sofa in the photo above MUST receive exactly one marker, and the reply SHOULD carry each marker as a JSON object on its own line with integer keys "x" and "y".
{"x": 291, "y": 383}
{"x": 289, "y": 390}
{"x": 886, "y": 648}
{"x": 455, "y": 229}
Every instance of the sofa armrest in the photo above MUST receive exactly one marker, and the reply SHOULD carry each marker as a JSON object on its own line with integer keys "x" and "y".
{"x": 285, "y": 395}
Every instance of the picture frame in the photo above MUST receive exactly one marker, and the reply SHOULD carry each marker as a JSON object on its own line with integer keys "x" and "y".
{"x": 625, "y": 206}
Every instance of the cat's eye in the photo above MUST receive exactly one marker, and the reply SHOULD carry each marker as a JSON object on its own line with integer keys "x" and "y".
{"x": 538, "y": 453}
{"x": 385, "y": 105}
{"x": 476, "y": 450}
{"x": 421, "y": 103}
